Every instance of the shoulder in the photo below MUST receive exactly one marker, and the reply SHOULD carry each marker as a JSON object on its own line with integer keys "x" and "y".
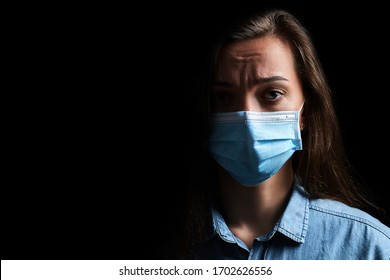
{"x": 346, "y": 217}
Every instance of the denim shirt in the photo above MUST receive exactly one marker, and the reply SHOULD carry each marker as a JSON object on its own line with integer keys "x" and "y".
{"x": 309, "y": 229}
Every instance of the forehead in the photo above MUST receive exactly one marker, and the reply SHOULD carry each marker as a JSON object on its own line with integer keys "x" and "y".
{"x": 265, "y": 55}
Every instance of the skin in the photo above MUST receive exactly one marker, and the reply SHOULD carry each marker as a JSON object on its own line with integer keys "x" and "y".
{"x": 256, "y": 75}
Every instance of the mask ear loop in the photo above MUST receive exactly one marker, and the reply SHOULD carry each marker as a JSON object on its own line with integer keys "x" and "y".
{"x": 301, "y": 105}
{"x": 299, "y": 115}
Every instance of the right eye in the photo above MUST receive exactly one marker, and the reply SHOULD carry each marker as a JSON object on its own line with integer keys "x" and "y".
{"x": 222, "y": 98}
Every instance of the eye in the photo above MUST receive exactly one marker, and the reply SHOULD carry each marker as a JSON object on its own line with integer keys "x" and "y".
{"x": 272, "y": 95}
{"x": 222, "y": 98}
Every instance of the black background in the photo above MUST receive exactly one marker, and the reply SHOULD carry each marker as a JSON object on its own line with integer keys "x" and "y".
{"x": 99, "y": 149}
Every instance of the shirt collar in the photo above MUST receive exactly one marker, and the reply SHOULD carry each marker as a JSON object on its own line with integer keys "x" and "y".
{"x": 293, "y": 223}
{"x": 294, "y": 220}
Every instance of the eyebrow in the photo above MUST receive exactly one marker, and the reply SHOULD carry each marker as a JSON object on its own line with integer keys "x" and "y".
{"x": 258, "y": 81}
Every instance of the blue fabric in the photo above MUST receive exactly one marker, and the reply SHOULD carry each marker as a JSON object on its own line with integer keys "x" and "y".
{"x": 253, "y": 146}
{"x": 309, "y": 229}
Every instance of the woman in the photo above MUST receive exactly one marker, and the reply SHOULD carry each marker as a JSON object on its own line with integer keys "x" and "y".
{"x": 270, "y": 178}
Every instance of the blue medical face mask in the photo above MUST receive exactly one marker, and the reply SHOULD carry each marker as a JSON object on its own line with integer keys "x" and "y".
{"x": 253, "y": 146}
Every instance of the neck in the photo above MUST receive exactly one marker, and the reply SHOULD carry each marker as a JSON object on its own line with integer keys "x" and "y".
{"x": 253, "y": 211}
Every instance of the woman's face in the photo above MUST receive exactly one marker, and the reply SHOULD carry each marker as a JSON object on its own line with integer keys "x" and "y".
{"x": 256, "y": 75}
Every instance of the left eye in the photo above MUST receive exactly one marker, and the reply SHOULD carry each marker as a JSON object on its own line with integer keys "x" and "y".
{"x": 272, "y": 94}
